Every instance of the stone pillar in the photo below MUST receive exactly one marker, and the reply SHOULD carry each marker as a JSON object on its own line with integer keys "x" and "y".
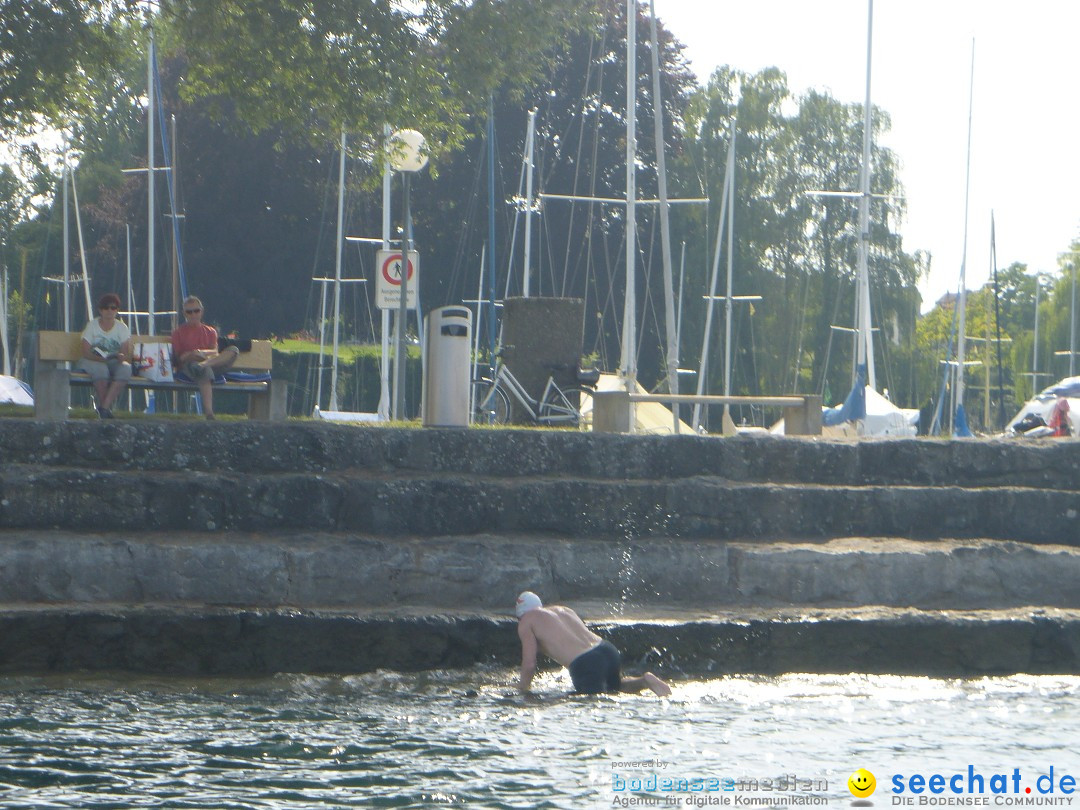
{"x": 542, "y": 338}
{"x": 805, "y": 419}
{"x": 613, "y": 412}
{"x": 52, "y": 390}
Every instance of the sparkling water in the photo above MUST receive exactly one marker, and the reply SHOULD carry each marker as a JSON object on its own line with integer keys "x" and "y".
{"x": 466, "y": 739}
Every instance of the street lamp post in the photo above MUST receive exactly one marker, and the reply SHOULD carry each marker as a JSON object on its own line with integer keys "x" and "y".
{"x": 407, "y": 155}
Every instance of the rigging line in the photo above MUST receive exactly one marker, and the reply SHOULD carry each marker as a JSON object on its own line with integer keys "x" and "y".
{"x": 611, "y": 310}
{"x": 801, "y": 331}
{"x": 935, "y": 423}
{"x": 361, "y": 297}
{"x": 570, "y": 280}
{"x": 550, "y": 266}
{"x": 580, "y": 146}
{"x": 591, "y": 210}
{"x": 502, "y": 211}
{"x": 832, "y": 320}
{"x": 44, "y": 251}
{"x": 315, "y": 312}
{"x": 601, "y": 345}
{"x": 458, "y": 268}
{"x": 886, "y": 355}
{"x": 650, "y": 299}
{"x": 320, "y": 242}
{"x": 514, "y": 230}
{"x": 167, "y": 157}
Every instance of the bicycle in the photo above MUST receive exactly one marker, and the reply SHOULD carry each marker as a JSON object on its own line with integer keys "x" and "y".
{"x": 556, "y": 406}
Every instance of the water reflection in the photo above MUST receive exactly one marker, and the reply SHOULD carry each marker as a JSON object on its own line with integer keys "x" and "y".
{"x": 465, "y": 739}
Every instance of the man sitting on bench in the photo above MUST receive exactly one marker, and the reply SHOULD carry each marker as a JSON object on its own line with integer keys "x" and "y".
{"x": 195, "y": 352}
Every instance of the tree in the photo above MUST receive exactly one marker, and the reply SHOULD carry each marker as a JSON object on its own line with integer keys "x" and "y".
{"x": 426, "y": 65}
{"x": 50, "y": 51}
{"x": 795, "y": 249}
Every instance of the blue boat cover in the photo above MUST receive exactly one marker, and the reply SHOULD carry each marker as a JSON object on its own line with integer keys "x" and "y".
{"x": 853, "y": 408}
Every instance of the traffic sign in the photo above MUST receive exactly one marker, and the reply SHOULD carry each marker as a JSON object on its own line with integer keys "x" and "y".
{"x": 388, "y": 281}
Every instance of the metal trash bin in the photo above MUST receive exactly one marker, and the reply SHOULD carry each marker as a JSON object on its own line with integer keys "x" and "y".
{"x": 447, "y": 351}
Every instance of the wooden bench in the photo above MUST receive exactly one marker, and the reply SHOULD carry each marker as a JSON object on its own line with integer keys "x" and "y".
{"x": 58, "y": 351}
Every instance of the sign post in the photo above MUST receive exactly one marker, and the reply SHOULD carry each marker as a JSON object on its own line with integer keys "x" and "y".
{"x": 388, "y": 280}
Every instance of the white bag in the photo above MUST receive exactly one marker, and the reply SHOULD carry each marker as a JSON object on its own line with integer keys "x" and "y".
{"x": 153, "y": 361}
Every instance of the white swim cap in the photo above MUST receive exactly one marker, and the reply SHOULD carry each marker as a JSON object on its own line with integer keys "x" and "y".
{"x": 526, "y": 602}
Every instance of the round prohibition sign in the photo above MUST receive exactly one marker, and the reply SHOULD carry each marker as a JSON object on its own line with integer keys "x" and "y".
{"x": 391, "y": 270}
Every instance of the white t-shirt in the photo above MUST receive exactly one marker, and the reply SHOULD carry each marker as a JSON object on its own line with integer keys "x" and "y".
{"x": 109, "y": 342}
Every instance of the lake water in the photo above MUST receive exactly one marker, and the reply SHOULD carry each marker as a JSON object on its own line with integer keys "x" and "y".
{"x": 462, "y": 739}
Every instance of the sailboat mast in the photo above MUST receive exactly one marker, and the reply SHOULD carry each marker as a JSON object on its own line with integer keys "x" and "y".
{"x": 337, "y": 274}
{"x": 175, "y": 230}
{"x": 725, "y": 197}
{"x": 151, "y": 305}
{"x": 729, "y": 298}
{"x": 67, "y": 247}
{"x": 961, "y": 337}
{"x": 865, "y": 351}
{"x": 4, "y": 320}
{"x": 384, "y": 366}
{"x": 1035, "y": 350}
{"x": 665, "y": 221}
{"x": 530, "y": 141}
{"x": 82, "y": 248}
{"x": 492, "y": 333}
{"x": 629, "y": 332}
{"x": 997, "y": 326}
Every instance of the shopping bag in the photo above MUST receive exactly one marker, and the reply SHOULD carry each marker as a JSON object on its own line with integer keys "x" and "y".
{"x": 153, "y": 361}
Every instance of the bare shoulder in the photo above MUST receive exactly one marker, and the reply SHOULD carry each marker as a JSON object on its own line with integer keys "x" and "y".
{"x": 527, "y": 623}
{"x": 565, "y": 613}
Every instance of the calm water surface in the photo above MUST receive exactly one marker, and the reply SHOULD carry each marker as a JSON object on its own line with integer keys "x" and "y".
{"x": 462, "y": 739}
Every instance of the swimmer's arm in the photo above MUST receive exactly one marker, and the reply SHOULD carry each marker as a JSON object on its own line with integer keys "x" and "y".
{"x": 528, "y": 657}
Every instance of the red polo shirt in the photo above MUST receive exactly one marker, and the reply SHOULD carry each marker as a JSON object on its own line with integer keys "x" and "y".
{"x": 190, "y": 336}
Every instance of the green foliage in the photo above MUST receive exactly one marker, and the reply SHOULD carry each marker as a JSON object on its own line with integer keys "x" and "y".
{"x": 51, "y": 52}
{"x": 425, "y": 65}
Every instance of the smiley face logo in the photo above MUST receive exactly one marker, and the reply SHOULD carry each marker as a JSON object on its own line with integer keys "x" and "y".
{"x": 861, "y": 783}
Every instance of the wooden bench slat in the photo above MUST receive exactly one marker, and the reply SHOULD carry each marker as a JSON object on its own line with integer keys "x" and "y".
{"x": 64, "y": 346}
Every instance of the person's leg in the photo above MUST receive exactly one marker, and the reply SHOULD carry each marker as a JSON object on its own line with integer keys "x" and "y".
{"x": 207, "y": 393}
{"x": 112, "y": 393}
{"x": 223, "y": 359}
{"x": 635, "y": 685}
{"x": 99, "y": 377}
{"x": 120, "y": 375}
{"x": 101, "y": 391}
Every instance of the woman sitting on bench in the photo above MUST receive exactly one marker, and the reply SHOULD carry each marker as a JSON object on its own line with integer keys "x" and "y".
{"x": 106, "y": 347}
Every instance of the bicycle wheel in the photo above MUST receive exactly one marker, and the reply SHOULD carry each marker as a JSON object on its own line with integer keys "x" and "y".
{"x": 563, "y": 407}
{"x": 583, "y": 398}
{"x": 492, "y": 406}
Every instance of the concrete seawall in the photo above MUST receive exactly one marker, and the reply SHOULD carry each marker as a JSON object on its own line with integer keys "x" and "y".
{"x": 248, "y": 548}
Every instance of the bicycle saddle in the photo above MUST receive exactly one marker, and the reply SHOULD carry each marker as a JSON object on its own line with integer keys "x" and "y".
{"x": 588, "y": 376}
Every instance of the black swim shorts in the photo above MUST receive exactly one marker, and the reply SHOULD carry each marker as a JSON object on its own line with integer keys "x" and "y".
{"x": 597, "y": 670}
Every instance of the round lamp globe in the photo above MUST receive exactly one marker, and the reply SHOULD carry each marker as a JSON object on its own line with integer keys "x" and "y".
{"x": 407, "y": 151}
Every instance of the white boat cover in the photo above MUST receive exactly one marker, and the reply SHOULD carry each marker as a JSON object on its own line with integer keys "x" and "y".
{"x": 1042, "y": 406}
{"x": 15, "y": 391}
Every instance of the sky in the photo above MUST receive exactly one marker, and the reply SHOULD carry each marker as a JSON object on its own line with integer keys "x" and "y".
{"x": 1025, "y": 119}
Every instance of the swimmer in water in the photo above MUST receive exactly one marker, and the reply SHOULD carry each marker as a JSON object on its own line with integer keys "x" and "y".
{"x": 560, "y": 634}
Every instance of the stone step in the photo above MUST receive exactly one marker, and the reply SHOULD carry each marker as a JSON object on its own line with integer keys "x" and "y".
{"x": 250, "y": 642}
{"x": 34, "y": 496}
{"x": 152, "y": 445}
{"x": 318, "y": 570}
